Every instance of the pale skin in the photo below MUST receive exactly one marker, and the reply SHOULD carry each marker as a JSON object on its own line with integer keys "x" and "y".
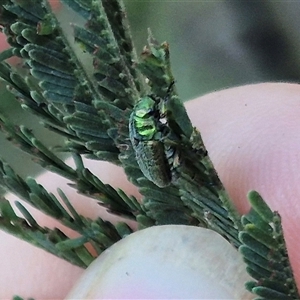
{"x": 252, "y": 134}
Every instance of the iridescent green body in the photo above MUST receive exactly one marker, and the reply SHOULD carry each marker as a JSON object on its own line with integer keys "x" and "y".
{"x": 146, "y": 132}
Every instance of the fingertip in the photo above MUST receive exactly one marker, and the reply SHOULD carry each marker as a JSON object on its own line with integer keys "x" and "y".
{"x": 252, "y": 136}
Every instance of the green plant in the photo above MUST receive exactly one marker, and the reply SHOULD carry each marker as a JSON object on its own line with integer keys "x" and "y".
{"x": 96, "y": 106}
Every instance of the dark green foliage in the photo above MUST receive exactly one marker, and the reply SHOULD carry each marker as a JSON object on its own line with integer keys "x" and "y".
{"x": 101, "y": 234}
{"x": 44, "y": 238}
{"x": 61, "y": 81}
{"x": 93, "y": 106}
{"x": 19, "y": 298}
{"x": 264, "y": 251}
{"x": 82, "y": 7}
{"x": 25, "y": 140}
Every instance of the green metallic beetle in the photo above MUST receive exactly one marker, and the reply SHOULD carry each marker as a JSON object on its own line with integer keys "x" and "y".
{"x": 146, "y": 131}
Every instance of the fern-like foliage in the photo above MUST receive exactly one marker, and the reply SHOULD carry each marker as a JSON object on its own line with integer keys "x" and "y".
{"x": 90, "y": 105}
{"x": 101, "y": 234}
{"x": 264, "y": 251}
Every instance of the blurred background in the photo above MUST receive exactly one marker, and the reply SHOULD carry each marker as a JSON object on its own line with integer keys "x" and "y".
{"x": 213, "y": 44}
